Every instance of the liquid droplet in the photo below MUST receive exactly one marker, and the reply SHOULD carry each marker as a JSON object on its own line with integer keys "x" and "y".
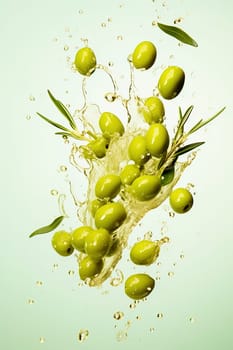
{"x": 119, "y": 37}
{"x": 31, "y": 301}
{"x": 118, "y": 315}
{"x": 28, "y": 117}
{"x": 71, "y": 272}
{"x": 66, "y": 48}
{"x": 164, "y": 240}
{"x": 116, "y": 281}
{"x": 159, "y": 315}
{"x": 154, "y": 23}
{"x": 42, "y": 340}
{"x": 170, "y": 274}
{"x": 80, "y": 12}
{"x": 103, "y": 25}
{"x": 63, "y": 168}
{"x": 182, "y": 256}
{"x": 177, "y": 20}
{"x": 171, "y": 214}
{"x": 32, "y": 98}
{"x": 111, "y": 64}
{"x": 82, "y": 335}
{"x": 148, "y": 235}
{"x": 54, "y": 192}
{"x": 121, "y": 336}
{"x": 138, "y": 317}
{"x": 132, "y": 306}
{"x": 110, "y": 96}
{"x": 55, "y": 266}
{"x": 152, "y": 329}
{"x": 191, "y": 319}
{"x": 39, "y": 283}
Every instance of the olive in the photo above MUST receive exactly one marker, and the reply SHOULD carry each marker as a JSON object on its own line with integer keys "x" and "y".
{"x": 171, "y": 82}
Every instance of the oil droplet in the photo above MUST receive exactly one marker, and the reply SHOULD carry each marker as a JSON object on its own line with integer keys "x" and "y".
{"x": 121, "y": 336}
{"x": 157, "y": 278}
{"x": 71, "y": 272}
{"x": 159, "y": 263}
{"x": 132, "y": 306}
{"x": 66, "y": 48}
{"x": 80, "y": 12}
{"x": 171, "y": 57}
{"x": 55, "y": 40}
{"x": 118, "y": 315}
{"x": 42, "y": 340}
{"x": 171, "y": 214}
{"x": 103, "y": 25}
{"x": 110, "y": 96}
{"x": 159, "y": 315}
{"x": 177, "y": 20}
{"x": 63, "y": 168}
{"x": 191, "y": 319}
{"x": 55, "y": 266}
{"x": 54, "y": 192}
{"x": 39, "y": 283}
{"x": 182, "y": 256}
{"x": 148, "y": 235}
{"x": 152, "y": 329}
{"x": 170, "y": 274}
{"x": 164, "y": 240}
{"x": 119, "y": 37}
{"x": 32, "y": 98}
{"x": 154, "y": 23}
{"x": 66, "y": 140}
{"x": 138, "y": 317}
{"x": 31, "y": 301}
{"x": 82, "y": 335}
{"x": 28, "y": 117}
{"x": 109, "y": 19}
{"x": 116, "y": 281}
{"x": 111, "y": 64}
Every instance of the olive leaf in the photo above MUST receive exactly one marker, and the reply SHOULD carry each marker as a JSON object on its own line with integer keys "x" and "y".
{"x": 167, "y": 175}
{"x": 57, "y": 125}
{"x": 48, "y": 228}
{"x": 182, "y": 120}
{"x": 202, "y": 122}
{"x": 188, "y": 148}
{"x": 60, "y": 106}
{"x": 178, "y": 33}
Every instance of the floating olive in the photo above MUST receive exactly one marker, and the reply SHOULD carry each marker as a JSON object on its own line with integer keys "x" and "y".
{"x": 108, "y": 186}
{"x": 181, "y": 200}
{"x": 144, "y": 55}
{"x": 96, "y": 204}
{"x": 139, "y": 286}
{"x": 110, "y": 216}
{"x": 154, "y": 111}
{"x": 61, "y": 242}
{"x": 129, "y": 173}
{"x": 78, "y": 237}
{"x": 171, "y": 82}
{"x": 145, "y": 187}
{"x": 157, "y": 139}
{"x": 137, "y": 150}
{"x": 89, "y": 267}
{"x": 98, "y": 146}
{"x": 85, "y": 61}
{"x": 144, "y": 252}
{"x": 110, "y": 124}
{"x": 97, "y": 243}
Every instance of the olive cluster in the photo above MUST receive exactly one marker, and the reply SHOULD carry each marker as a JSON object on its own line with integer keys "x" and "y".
{"x": 107, "y": 208}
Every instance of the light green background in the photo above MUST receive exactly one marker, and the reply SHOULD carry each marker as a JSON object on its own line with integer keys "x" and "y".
{"x": 33, "y": 36}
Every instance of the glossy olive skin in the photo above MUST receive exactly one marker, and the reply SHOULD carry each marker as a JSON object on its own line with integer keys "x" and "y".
{"x": 157, "y": 139}
{"x": 144, "y": 55}
{"x": 108, "y": 186}
{"x": 85, "y": 61}
{"x": 96, "y": 204}
{"x": 98, "y": 146}
{"x": 89, "y": 267}
{"x": 61, "y": 242}
{"x": 110, "y": 124}
{"x": 145, "y": 187}
{"x": 144, "y": 252}
{"x": 181, "y": 200}
{"x": 139, "y": 286}
{"x": 97, "y": 243}
{"x": 137, "y": 150}
{"x": 154, "y": 110}
{"x": 129, "y": 173}
{"x": 78, "y": 237}
{"x": 171, "y": 82}
{"x": 110, "y": 216}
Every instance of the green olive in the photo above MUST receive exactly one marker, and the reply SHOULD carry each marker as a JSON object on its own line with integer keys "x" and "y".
{"x": 181, "y": 200}
{"x": 137, "y": 150}
{"x": 89, "y": 267}
{"x": 79, "y": 236}
{"x": 139, "y": 286}
{"x": 110, "y": 124}
{"x": 154, "y": 110}
{"x": 171, "y": 82}
{"x": 144, "y": 252}
{"x": 61, "y": 242}
{"x": 108, "y": 186}
{"x": 97, "y": 243}
{"x": 85, "y": 61}
{"x": 98, "y": 146}
{"x": 113, "y": 247}
{"x": 144, "y": 55}
{"x": 110, "y": 216}
{"x": 157, "y": 139}
{"x": 96, "y": 204}
{"x": 146, "y": 187}
{"x": 129, "y": 173}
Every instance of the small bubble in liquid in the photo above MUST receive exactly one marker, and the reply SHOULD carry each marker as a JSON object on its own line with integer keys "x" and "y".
{"x": 182, "y": 256}
{"x": 110, "y": 97}
{"x": 103, "y": 25}
{"x": 138, "y": 317}
{"x": 152, "y": 329}
{"x": 66, "y": 48}
{"x": 191, "y": 319}
{"x": 31, "y": 301}
{"x": 159, "y": 315}
{"x": 55, "y": 266}
{"x": 39, "y": 283}
{"x": 119, "y": 37}
{"x": 111, "y": 64}
{"x": 32, "y": 98}
{"x": 71, "y": 272}
{"x": 109, "y": 19}
{"x": 54, "y": 192}
{"x": 170, "y": 274}
{"x": 82, "y": 335}
{"x": 116, "y": 281}
{"x": 118, "y": 315}
{"x": 63, "y": 168}
{"x": 42, "y": 340}
{"x": 132, "y": 306}
{"x": 157, "y": 278}
{"x": 171, "y": 214}
{"x": 28, "y": 117}
{"x": 154, "y": 23}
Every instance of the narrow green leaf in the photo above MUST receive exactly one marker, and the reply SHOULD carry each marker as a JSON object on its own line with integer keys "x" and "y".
{"x": 178, "y": 33}
{"x": 182, "y": 120}
{"x": 62, "y": 108}
{"x": 57, "y": 125}
{"x": 167, "y": 175}
{"x": 48, "y": 228}
{"x": 188, "y": 148}
{"x": 201, "y": 123}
